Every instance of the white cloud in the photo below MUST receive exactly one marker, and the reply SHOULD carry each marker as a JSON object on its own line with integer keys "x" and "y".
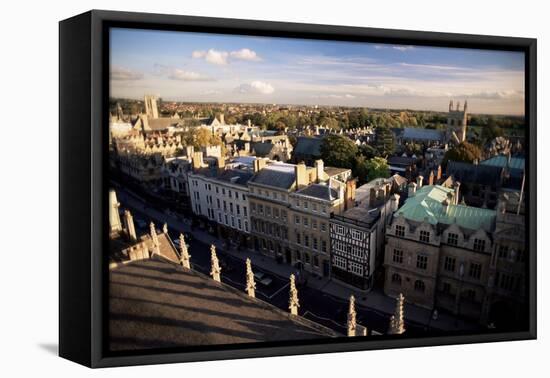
{"x": 178, "y": 74}
{"x": 245, "y": 54}
{"x": 403, "y": 48}
{"x": 497, "y": 95}
{"x": 257, "y": 87}
{"x": 121, "y": 73}
{"x": 211, "y": 56}
{"x": 221, "y": 57}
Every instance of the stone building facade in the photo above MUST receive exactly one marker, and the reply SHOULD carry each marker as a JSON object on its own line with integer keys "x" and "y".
{"x": 438, "y": 252}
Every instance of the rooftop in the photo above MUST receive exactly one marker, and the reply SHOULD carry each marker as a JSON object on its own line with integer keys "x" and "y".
{"x": 156, "y": 304}
{"x": 502, "y": 161}
{"x": 426, "y": 206}
{"x": 319, "y": 191}
{"x": 475, "y": 173}
{"x": 416, "y": 133}
{"x": 308, "y": 146}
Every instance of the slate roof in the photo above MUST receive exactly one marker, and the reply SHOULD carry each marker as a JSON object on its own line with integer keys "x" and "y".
{"x": 475, "y": 173}
{"x": 516, "y": 165}
{"x": 156, "y": 304}
{"x": 320, "y": 191}
{"x": 416, "y": 133}
{"x": 278, "y": 175}
{"x": 401, "y": 161}
{"x": 262, "y": 149}
{"x": 426, "y": 206}
{"x": 235, "y": 176}
{"x": 308, "y": 146}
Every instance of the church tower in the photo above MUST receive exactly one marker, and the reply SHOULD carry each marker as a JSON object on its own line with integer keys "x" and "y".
{"x": 457, "y": 122}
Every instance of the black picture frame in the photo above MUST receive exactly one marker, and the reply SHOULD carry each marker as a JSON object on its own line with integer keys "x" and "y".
{"x": 83, "y": 236}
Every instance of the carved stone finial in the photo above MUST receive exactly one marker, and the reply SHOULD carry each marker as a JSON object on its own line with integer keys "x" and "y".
{"x": 165, "y": 228}
{"x": 397, "y": 321}
{"x": 250, "y": 283}
{"x": 216, "y": 270}
{"x": 352, "y": 317}
{"x": 293, "y": 303}
{"x": 154, "y": 237}
{"x": 185, "y": 258}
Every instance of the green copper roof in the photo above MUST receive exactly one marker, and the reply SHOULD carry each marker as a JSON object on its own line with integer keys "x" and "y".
{"x": 426, "y": 205}
{"x": 502, "y": 161}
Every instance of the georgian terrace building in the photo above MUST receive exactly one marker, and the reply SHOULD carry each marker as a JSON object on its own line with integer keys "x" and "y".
{"x": 276, "y": 201}
{"x": 219, "y": 195}
{"x": 438, "y": 251}
{"x": 311, "y": 207}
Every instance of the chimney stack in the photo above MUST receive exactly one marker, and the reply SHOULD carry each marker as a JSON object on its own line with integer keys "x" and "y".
{"x": 130, "y": 228}
{"x": 249, "y": 122}
{"x": 419, "y": 180}
{"x": 259, "y": 164}
{"x": 189, "y": 151}
{"x": 302, "y": 177}
{"x": 457, "y": 191}
{"x": 412, "y": 189}
{"x": 395, "y": 202}
{"x": 431, "y": 178}
{"x": 197, "y": 160}
{"x": 350, "y": 193}
{"x": 319, "y": 170}
{"x": 222, "y": 119}
{"x": 438, "y": 172}
{"x": 114, "y": 216}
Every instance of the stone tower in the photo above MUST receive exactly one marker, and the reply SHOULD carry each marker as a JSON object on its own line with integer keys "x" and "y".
{"x": 457, "y": 122}
{"x": 114, "y": 216}
{"x": 151, "y": 106}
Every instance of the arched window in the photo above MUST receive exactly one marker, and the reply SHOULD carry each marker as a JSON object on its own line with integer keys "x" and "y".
{"x": 396, "y": 279}
{"x": 419, "y": 286}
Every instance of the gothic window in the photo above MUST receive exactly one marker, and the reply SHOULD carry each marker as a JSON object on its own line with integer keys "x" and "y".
{"x": 475, "y": 271}
{"x": 399, "y": 231}
{"x": 424, "y": 236}
{"x": 452, "y": 239}
{"x": 450, "y": 264}
{"x": 479, "y": 245}
{"x": 419, "y": 286}
{"x": 398, "y": 256}
{"x": 422, "y": 262}
{"x": 396, "y": 279}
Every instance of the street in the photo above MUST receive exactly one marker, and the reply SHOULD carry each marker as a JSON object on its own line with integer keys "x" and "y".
{"x": 315, "y": 305}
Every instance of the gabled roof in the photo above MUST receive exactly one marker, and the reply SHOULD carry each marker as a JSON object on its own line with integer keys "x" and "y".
{"x": 262, "y": 149}
{"x": 319, "y": 191}
{"x": 474, "y": 173}
{"x": 308, "y": 146}
{"x": 515, "y": 163}
{"x": 416, "y": 133}
{"x": 278, "y": 175}
{"x": 427, "y": 206}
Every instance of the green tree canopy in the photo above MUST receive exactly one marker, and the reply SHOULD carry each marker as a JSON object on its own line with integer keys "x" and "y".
{"x": 466, "y": 152}
{"x": 384, "y": 141}
{"x": 338, "y": 151}
{"x": 377, "y": 167}
{"x": 360, "y": 169}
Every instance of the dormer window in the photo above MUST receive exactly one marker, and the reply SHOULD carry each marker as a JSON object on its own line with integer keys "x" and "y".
{"x": 452, "y": 239}
{"x": 424, "y": 236}
{"x": 400, "y": 231}
{"x": 479, "y": 245}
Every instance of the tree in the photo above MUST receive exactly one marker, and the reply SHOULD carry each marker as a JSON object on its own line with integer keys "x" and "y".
{"x": 367, "y": 151}
{"x": 377, "y": 168}
{"x": 466, "y": 152}
{"x": 360, "y": 169}
{"x": 384, "y": 141}
{"x": 338, "y": 151}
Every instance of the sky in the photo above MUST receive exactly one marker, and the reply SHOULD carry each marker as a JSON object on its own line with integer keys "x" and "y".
{"x": 201, "y": 67}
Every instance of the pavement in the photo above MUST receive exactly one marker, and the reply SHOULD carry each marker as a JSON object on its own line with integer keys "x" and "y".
{"x": 376, "y": 304}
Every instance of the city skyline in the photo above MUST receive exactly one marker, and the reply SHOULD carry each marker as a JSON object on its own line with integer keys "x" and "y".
{"x": 200, "y": 67}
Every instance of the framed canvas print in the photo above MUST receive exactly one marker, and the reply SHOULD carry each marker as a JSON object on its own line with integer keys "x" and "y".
{"x": 234, "y": 188}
